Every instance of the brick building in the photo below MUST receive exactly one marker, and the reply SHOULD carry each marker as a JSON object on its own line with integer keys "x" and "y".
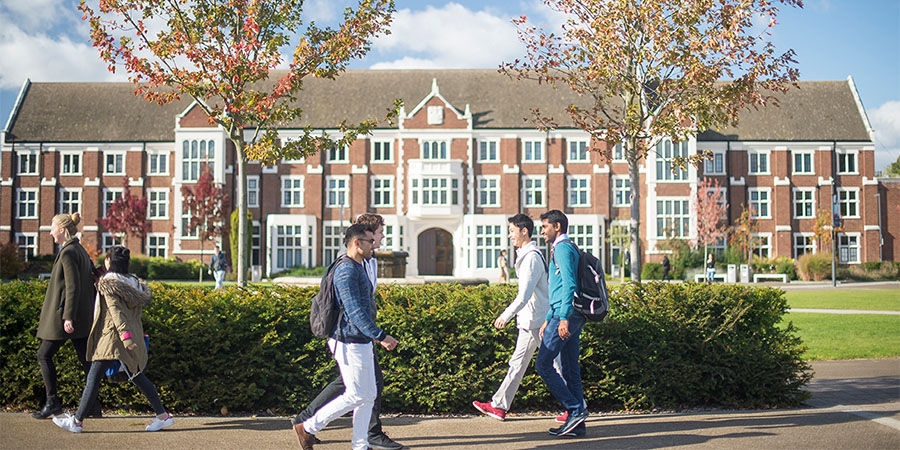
{"x": 460, "y": 160}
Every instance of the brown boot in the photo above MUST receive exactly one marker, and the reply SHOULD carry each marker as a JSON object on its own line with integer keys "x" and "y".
{"x": 306, "y": 439}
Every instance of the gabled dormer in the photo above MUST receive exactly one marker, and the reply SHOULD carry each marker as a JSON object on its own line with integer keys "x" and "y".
{"x": 435, "y": 112}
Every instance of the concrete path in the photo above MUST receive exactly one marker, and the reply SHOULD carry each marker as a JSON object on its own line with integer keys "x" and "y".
{"x": 854, "y": 404}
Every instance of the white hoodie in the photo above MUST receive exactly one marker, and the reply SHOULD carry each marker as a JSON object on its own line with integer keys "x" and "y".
{"x": 533, "y": 299}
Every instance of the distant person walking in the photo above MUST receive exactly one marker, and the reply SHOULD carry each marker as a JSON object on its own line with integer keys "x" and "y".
{"x": 503, "y": 265}
{"x": 529, "y": 308}
{"x": 118, "y": 334}
{"x": 68, "y": 307}
{"x": 666, "y": 266}
{"x": 710, "y": 268}
{"x": 218, "y": 265}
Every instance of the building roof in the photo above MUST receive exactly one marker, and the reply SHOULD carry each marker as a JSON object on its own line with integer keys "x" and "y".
{"x": 110, "y": 112}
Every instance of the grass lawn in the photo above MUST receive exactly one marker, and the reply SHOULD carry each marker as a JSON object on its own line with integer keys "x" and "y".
{"x": 864, "y": 299}
{"x": 847, "y": 336}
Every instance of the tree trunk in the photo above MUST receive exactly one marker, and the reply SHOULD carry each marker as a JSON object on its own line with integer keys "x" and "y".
{"x": 240, "y": 266}
{"x": 635, "y": 223}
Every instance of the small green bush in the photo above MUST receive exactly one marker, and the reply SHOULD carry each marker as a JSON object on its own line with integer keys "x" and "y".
{"x": 664, "y": 345}
{"x": 787, "y": 267}
{"x": 871, "y": 271}
{"x": 302, "y": 271}
{"x": 814, "y": 267}
{"x": 11, "y": 262}
{"x": 172, "y": 269}
{"x": 651, "y": 271}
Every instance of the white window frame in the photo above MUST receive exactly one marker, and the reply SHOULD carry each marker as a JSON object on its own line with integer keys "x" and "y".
{"x": 526, "y": 188}
{"x": 664, "y": 157}
{"x": 256, "y": 243}
{"x": 842, "y": 155}
{"x": 681, "y": 219}
{"x": 335, "y": 155}
{"x": 116, "y": 238}
{"x": 151, "y": 192}
{"x": 795, "y": 203}
{"x": 29, "y": 249}
{"x": 294, "y": 251}
{"x": 812, "y": 243}
{"x": 490, "y": 239}
{"x": 842, "y": 201}
{"x": 185, "y": 220}
{"x": 582, "y": 234}
{"x": 754, "y": 212}
{"x": 842, "y": 248}
{"x": 436, "y": 192}
{"x": 105, "y": 200}
{"x": 803, "y": 153}
{"x": 337, "y": 191}
{"x": 114, "y": 153}
{"x": 34, "y": 157}
{"x": 757, "y": 154}
{"x": 442, "y": 153}
{"x": 618, "y": 152}
{"x": 626, "y": 191}
{"x": 484, "y": 190}
{"x": 159, "y": 155}
{"x": 488, "y": 143}
{"x": 76, "y": 155}
{"x": 709, "y": 165}
{"x": 375, "y": 143}
{"x": 293, "y": 179}
{"x": 586, "y": 190}
{"x": 36, "y": 201}
{"x": 188, "y": 174}
{"x": 586, "y": 148}
{"x": 435, "y": 115}
{"x": 332, "y": 241}
{"x": 63, "y": 201}
{"x": 386, "y": 192}
{"x": 533, "y": 142}
{"x": 164, "y": 249}
{"x": 757, "y": 248}
{"x": 253, "y": 201}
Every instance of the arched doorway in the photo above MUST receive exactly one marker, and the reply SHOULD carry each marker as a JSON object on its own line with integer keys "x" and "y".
{"x": 435, "y": 252}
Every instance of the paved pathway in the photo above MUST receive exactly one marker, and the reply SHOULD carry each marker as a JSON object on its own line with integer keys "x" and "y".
{"x": 854, "y": 404}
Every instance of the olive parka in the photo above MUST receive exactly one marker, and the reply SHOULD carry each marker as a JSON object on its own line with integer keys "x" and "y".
{"x": 70, "y": 294}
{"x": 117, "y": 322}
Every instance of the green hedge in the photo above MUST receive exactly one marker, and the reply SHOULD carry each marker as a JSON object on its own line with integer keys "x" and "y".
{"x": 664, "y": 345}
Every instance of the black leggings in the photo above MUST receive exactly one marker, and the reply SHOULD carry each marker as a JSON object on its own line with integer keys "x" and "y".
{"x": 48, "y": 369}
{"x": 92, "y": 386}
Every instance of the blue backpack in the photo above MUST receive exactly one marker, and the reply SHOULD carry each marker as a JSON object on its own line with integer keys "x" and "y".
{"x": 591, "y": 295}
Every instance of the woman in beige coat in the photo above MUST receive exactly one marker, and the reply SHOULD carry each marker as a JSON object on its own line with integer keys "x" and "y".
{"x": 118, "y": 334}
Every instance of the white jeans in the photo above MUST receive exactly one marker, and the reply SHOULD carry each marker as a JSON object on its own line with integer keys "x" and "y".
{"x": 220, "y": 278}
{"x": 526, "y": 344}
{"x": 357, "y": 365}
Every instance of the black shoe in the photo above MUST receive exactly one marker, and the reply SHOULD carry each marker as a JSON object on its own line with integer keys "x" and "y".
{"x": 383, "y": 442}
{"x": 295, "y": 421}
{"x": 53, "y": 407}
{"x": 579, "y": 431}
{"x": 572, "y": 422}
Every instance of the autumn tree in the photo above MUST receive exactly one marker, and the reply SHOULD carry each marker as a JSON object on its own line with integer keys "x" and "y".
{"x": 126, "y": 215}
{"x": 822, "y": 229}
{"x": 710, "y": 208}
{"x": 742, "y": 231}
{"x": 653, "y": 69}
{"x": 207, "y": 205}
{"x": 224, "y": 55}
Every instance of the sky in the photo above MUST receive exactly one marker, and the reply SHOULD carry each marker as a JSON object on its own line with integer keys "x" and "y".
{"x": 45, "y": 40}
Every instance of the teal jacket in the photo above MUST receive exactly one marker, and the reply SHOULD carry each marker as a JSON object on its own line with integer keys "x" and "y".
{"x": 563, "y": 267}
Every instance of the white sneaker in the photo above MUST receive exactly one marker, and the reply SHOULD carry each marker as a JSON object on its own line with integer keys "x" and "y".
{"x": 160, "y": 424}
{"x": 67, "y": 422}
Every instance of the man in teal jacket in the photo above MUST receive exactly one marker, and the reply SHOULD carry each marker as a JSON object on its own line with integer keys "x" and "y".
{"x": 562, "y": 327}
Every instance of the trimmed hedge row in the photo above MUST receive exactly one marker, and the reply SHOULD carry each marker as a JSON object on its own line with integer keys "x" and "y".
{"x": 664, "y": 345}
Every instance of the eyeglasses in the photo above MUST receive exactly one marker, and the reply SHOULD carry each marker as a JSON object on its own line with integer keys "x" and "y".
{"x": 371, "y": 241}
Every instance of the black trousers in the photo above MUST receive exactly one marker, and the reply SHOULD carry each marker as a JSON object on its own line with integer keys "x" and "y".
{"x": 336, "y": 388}
{"x": 48, "y": 369}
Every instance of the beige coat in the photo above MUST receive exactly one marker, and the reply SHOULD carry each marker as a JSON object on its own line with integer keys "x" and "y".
{"x": 117, "y": 322}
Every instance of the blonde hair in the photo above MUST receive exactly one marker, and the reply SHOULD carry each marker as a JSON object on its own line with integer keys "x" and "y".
{"x": 69, "y": 223}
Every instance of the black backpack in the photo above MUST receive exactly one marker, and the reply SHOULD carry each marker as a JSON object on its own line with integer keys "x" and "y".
{"x": 325, "y": 311}
{"x": 591, "y": 295}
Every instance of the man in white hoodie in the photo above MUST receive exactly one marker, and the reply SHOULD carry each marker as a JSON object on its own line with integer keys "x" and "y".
{"x": 529, "y": 307}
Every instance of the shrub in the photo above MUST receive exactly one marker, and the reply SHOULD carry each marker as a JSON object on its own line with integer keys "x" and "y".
{"x": 651, "y": 271}
{"x": 815, "y": 267}
{"x": 664, "y": 345}
{"x": 871, "y": 271}
{"x": 172, "y": 269}
{"x": 11, "y": 263}
{"x": 302, "y": 271}
{"x": 787, "y": 267}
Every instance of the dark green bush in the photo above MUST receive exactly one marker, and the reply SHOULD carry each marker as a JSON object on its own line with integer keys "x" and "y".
{"x": 172, "y": 269}
{"x": 664, "y": 345}
{"x": 302, "y": 271}
{"x": 651, "y": 271}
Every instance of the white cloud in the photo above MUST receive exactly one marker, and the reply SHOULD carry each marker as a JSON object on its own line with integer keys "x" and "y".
{"x": 886, "y": 121}
{"x": 33, "y": 13}
{"x": 451, "y": 36}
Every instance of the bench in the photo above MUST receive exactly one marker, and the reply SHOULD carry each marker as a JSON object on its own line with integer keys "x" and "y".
{"x": 700, "y": 277}
{"x": 770, "y": 276}
{"x": 44, "y": 276}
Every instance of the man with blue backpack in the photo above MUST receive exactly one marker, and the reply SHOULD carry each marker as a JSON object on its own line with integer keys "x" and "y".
{"x": 562, "y": 327}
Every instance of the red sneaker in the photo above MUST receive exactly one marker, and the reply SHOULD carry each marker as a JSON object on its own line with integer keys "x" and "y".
{"x": 563, "y": 417}
{"x": 489, "y": 410}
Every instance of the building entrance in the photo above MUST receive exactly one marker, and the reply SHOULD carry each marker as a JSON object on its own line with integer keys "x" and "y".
{"x": 435, "y": 252}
